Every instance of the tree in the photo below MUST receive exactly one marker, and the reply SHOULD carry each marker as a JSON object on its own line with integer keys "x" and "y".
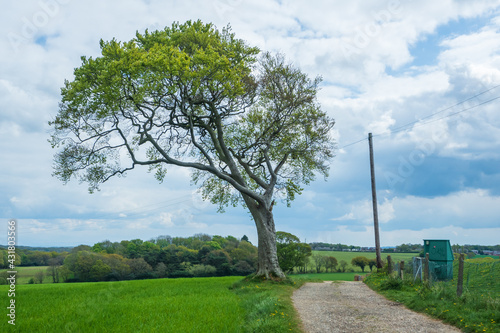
{"x": 161, "y": 270}
{"x": 38, "y": 278}
{"x": 139, "y": 268}
{"x": 319, "y": 261}
{"x": 291, "y": 252}
{"x": 64, "y": 273}
{"x": 360, "y": 262}
{"x": 343, "y": 265}
{"x": 331, "y": 263}
{"x": 53, "y": 269}
{"x": 195, "y": 97}
{"x": 372, "y": 263}
{"x": 99, "y": 271}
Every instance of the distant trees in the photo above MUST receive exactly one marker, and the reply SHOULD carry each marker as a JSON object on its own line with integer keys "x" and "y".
{"x": 343, "y": 265}
{"x": 331, "y": 263}
{"x": 291, "y": 252}
{"x": 319, "y": 262}
{"x": 409, "y": 248}
{"x": 361, "y": 262}
{"x": 372, "y": 263}
{"x": 165, "y": 256}
{"x": 53, "y": 270}
{"x": 38, "y": 278}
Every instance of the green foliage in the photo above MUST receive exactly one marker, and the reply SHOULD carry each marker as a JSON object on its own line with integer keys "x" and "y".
{"x": 361, "y": 262}
{"x": 291, "y": 252}
{"x": 343, "y": 265}
{"x": 330, "y": 263}
{"x": 319, "y": 262}
{"x": 136, "y": 259}
{"x": 203, "y": 270}
{"x": 348, "y": 256}
{"x": 39, "y": 276}
{"x": 190, "y": 92}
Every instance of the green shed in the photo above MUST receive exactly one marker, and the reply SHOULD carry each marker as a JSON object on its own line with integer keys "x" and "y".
{"x": 440, "y": 258}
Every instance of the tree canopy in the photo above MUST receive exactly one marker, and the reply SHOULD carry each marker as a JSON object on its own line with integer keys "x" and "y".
{"x": 249, "y": 126}
{"x": 291, "y": 252}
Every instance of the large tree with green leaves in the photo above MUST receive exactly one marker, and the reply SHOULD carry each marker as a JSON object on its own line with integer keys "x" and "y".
{"x": 247, "y": 125}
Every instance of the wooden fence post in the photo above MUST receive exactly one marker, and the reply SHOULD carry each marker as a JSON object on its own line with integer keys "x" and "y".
{"x": 426, "y": 268}
{"x": 389, "y": 265}
{"x": 460, "y": 278}
{"x": 401, "y": 269}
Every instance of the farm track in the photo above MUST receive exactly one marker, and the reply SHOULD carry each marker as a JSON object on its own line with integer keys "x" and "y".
{"x": 346, "y": 307}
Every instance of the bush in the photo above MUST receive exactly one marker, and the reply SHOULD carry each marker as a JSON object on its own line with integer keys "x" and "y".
{"x": 3, "y": 277}
{"x": 180, "y": 274}
{"x": 243, "y": 268}
{"x": 202, "y": 270}
{"x": 391, "y": 283}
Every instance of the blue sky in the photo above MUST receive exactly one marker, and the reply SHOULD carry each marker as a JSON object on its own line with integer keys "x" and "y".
{"x": 421, "y": 76}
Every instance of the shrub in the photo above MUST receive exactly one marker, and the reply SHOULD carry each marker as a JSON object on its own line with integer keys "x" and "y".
{"x": 202, "y": 270}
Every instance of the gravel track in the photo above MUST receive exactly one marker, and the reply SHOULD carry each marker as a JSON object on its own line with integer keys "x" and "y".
{"x": 346, "y": 307}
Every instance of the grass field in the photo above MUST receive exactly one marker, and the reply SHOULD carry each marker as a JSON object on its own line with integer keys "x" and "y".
{"x": 24, "y": 274}
{"x": 224, "y": 304}
{"x": 477, "y": 310}
{"x": 164, "y": 305}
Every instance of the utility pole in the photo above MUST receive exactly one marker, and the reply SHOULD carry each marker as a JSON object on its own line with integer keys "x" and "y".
{"x": 374, "y": 199}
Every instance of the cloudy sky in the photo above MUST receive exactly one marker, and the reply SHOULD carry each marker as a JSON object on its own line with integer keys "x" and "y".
{"x": 422, "y": 76}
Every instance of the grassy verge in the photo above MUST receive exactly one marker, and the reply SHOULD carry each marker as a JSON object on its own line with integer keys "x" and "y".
{"x": 268, "y": 305}
{"x": 475, "y": 311}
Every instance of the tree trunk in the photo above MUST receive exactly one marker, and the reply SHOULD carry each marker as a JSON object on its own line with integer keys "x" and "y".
{"x": 267, "y": 265}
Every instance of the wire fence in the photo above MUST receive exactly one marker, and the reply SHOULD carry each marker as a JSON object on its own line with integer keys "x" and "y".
{"x": 479, "y": 276}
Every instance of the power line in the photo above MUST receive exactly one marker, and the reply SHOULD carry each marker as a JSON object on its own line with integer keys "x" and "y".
{"x": 416, "y": 122}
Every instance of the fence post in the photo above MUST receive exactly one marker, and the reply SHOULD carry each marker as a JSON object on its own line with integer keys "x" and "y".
{"x": 460, "y": 278}
{"x": 426, "y": 268}
{"x": 389, "y": 265}
{"x": 401, "y": 269}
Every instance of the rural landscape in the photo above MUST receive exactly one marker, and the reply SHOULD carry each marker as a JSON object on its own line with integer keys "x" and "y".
{"x": 198, "y": 284}
{"x": 250, "y": 166}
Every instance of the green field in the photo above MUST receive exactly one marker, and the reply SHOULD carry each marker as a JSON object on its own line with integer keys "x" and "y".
{"x": 24, "y": 274}
{"x": 223, "y": 304}
{"x": 164, "y": 305}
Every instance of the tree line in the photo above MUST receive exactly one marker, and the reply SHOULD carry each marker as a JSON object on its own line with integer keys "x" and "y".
{"x": 164, "y": 256}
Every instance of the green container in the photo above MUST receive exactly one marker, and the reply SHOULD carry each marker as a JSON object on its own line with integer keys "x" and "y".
{"x": 440, "y": 258}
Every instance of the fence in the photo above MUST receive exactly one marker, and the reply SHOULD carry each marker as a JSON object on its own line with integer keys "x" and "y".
{"x": 479, "y": 276}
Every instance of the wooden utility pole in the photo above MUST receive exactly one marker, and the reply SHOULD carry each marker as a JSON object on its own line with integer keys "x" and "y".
{"x": 374, "y": 199}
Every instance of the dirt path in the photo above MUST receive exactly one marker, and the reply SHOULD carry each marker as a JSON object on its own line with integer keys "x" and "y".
{"x": 353, "y": 307}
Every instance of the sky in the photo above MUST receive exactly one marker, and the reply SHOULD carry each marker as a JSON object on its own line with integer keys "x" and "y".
{"x": 422, "y": 76}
